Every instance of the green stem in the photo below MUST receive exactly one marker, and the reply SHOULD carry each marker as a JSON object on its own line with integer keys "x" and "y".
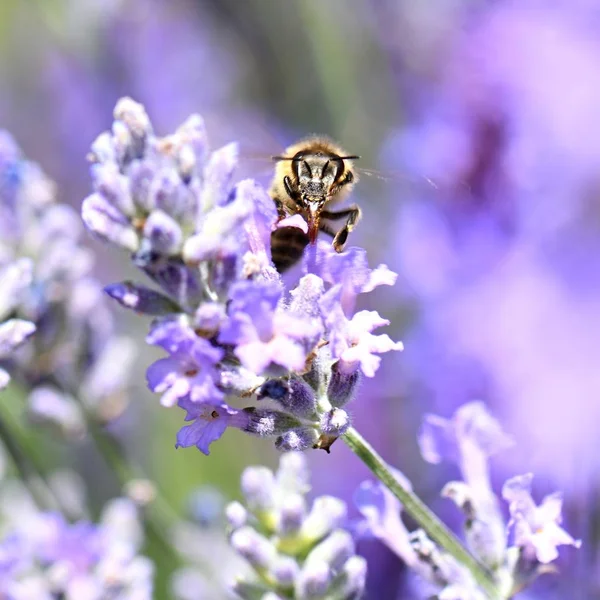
{"x": 30, "y": 465}
{"x": 30, "y": 474}
{"x": 159, "y": 516}
{"x": 419, "y": 511}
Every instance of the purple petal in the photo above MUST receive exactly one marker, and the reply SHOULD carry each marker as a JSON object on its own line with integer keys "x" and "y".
{"x": 209, "y": 426}
{"x": 437, "y": 441}
{"x": 204, "y": 353}
{"x": 204, "y": 390}
{"x": 381, "y": 510}
{"x": 551, "y": 508}
{"x": 162, "y": 374}
{"x": 473, "y": 420}
{"x": 287, "y": 353}
{"x": 179, "y": 389}
{"x": 254, "y": 356}
{"x": 359, "y": 357}
{"x": 366, "y": 321}
{"x": 193, "y": 409}
{"x": 379, "y": 276}
{"x": 518, "y": 488}
{"x": 238, "y": 329}
{"x": 171, "y": 334}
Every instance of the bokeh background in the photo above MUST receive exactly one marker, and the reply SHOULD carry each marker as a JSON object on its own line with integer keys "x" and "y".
{"x": 481, "y": 119}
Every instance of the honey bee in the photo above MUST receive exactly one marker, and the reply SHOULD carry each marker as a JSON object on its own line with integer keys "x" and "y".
{"x": 310, "y": 177}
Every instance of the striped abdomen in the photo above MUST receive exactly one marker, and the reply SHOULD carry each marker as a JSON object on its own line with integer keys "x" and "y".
{"x": 287, "y": 247}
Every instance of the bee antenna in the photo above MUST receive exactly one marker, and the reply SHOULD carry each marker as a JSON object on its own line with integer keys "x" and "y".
{"x": 355, "y": 156}
{"x": 278, "y": 158}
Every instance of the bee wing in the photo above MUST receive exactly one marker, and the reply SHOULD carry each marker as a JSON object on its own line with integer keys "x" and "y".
{"x": 397, "y": 177}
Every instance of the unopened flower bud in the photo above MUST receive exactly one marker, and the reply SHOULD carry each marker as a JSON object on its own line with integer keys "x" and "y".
{"x": 105, "y": 221}
{"x": 293, "y": 394}
{"x": 350, "y": 582}
{"x": 102, "y": 149}
{"x": 334, "y": 550}
{"x": 113, "y": 186}
{"x": 291, "y": 514}
{"x": 297, "y": 440}
{"x": 460, "y": 493}
{"x": 254, "y": 547}
{"x": 163, "y": 233}
{"x": 284, "y": 571}
{"x": 217, "y": 177}
{"x": 342, "y": 386}
{"x": 194, "y": 147}
{"x": 141, "y": 174}
{"x": 141, "y": 299}
{"x": 131, "y": 117}
{"x": 178, "y": 280}
{"x": 168, "y": 193}
{"x": 258, "y": 487}
{"x": 236, "y": 515}
{"x": 265, "y": 422}
{"x": 314, "y": 581}
{"x": 484, "y": 526}
{"x": 335, "y": 422}
{"x": 327, "y": 513}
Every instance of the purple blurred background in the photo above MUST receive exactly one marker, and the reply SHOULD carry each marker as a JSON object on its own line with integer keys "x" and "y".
{"x": 481, "y": 118}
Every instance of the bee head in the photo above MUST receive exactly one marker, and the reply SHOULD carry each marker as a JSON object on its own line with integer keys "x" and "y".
{"x": 318, "y": 173}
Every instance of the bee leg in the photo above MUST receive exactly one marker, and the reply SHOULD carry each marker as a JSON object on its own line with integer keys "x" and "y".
{"x": 326, "y": 229}
{"x": 280, "y": 208}
{"x": 353, "y": 216}
{"x": 352, "y": 212}
{"x": 294, "y": 195}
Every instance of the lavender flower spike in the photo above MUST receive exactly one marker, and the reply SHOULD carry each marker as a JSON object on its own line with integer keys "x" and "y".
{"x": 536, "y": 529}
{"x": 438, "y": 572}
{"x": 230, "y": 326}
{"x": 293, "y": 551}
{"x": 44, "y": 557}
{"x": 468, "y": 439}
